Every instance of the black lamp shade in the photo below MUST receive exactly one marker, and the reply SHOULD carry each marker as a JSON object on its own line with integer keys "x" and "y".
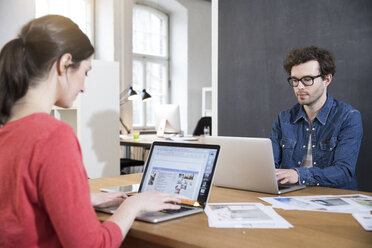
{"x": 132, "y": 94}
{"x": 145, "y": 96}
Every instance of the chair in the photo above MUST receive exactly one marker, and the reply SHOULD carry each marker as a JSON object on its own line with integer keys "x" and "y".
{"x": 205, "y": 121}
{"x": 126, "y": 164}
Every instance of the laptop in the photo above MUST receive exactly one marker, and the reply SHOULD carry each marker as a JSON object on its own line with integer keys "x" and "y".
{"x": 185, "y": 169}
{"x": 248, "y": 164}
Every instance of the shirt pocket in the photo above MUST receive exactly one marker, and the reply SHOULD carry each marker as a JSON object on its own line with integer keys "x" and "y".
{"x": 327, "y": 148}
{"x": 287, "y": 146}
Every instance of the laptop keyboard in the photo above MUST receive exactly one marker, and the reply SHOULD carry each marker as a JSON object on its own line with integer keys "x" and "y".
{"x": 172, "y": 211}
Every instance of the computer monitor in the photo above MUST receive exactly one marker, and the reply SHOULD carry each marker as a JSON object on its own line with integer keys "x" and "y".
{"x": 167, "y": 119}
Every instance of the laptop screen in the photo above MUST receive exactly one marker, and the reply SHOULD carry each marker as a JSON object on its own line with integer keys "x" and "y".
{"x": 181, "y": 169}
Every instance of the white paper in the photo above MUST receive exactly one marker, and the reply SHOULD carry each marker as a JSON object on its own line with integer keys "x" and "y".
{"x": 365, "y": 220}
{"x": 354, "y": 203}
{"x": 364, "y": 202}
{"x": 243, "y": 215}
{"x": 292, "y": 203}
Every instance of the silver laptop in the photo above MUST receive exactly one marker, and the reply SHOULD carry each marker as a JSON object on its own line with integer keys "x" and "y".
{"x": 185, "y": 169}
{"x": 247, "y": 163}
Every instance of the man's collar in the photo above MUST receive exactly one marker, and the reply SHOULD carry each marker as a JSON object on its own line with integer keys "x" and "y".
{"x": 301, "y": 114}
{"x": 321, "y": 116}
{"x": 324, "y": 112}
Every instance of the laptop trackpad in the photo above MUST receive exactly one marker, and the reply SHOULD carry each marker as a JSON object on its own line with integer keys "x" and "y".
{"x": 166, "y": 212}
{"x": 284, "y": 188}
{"x": 163, "y": 215}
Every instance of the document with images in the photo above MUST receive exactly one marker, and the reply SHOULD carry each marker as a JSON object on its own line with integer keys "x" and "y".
{"x": 292, "y": 203}
{"x": 365, "y": 220}
{"x": 353, "y": 203}
{"x": 244, "y": 215}
{"x": 335, "y": 203}
{"x": 362, "y": 201}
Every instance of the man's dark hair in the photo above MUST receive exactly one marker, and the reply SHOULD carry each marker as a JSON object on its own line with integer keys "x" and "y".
{"x": 303, "y": 55}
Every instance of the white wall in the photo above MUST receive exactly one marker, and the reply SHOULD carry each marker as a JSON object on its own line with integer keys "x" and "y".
{"x": 215, "y": 67}
{"x": 113, "y": 42}
{"x": 13, "y": 15}
{"x": 104, "y": 30}
{"x": 123, "y": 52}
{"x": 179, "y": 60}
{"x": 190, "y": 54}
{"x": 99, "y": 120}
{"x": 199, "y": 56}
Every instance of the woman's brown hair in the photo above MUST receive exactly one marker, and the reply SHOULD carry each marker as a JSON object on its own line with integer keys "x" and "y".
{"x": 28, "y": 58}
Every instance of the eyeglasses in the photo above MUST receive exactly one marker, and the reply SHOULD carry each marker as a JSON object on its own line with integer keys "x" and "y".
{"x": 307, "y": 80}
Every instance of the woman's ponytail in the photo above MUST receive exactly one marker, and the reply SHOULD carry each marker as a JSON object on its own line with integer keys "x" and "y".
{"x": 14, "y": 80}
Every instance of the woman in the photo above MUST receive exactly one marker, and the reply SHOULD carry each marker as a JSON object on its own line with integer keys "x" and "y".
{"x": 44, "y": 191}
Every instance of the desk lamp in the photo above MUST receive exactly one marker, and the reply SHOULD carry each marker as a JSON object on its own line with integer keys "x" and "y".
{"x": 145, "y": 96}
{"x": 130, "y": 94}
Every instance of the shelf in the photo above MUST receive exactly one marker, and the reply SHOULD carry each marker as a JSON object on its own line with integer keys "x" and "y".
{"x": 207, "y": 101}
{"x": 69, "y": 115}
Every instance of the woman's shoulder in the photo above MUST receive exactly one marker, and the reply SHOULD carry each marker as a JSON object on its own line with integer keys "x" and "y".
{"x": 39, "y": 125}
{"x": 46, "y": 124}
{"x": 44, "y": 120}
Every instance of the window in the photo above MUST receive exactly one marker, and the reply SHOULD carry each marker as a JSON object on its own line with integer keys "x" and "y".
{"x": 150, "y": 62}
{"x": 79, "y": 11}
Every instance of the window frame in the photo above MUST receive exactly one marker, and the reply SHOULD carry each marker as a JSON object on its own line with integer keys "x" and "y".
{"x": 146, "y": 58}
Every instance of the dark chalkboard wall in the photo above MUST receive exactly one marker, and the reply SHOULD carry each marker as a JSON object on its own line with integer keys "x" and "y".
{"x": 254, "y": 37}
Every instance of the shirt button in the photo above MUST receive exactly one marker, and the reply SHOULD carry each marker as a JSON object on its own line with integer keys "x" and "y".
{"x": 314, "y": 163}
{"x": 313, "y": 129}
{"x": 303, "y": 182}
{"x": 304, "y": 146}
{"x": 307, "y": 129}
{"x": 299, "y": 162}
{"x": 283, "y": 145}
{"x": 317, "y": 184}
{"x": 330, "y": 149}
{"x": 313, "y": 146}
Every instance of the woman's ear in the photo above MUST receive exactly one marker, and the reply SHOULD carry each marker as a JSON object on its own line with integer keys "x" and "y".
{"x": 63, "y": 63}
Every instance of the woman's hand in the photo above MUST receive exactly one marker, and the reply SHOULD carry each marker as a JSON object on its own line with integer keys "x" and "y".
{"x": 142, "y": 202}
{"x": 107, "y": 199}
{"x": 153, "y": 201}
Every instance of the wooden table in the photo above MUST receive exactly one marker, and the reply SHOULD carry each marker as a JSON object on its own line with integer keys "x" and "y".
{"x": 311, "y": 229}
{"x": 146, "y": 140}
{"x": 143, "y": 141}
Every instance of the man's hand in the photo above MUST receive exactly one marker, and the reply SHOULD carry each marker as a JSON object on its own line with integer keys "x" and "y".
{"x": 286, "y": 176}
{"x": 107, "y": 199}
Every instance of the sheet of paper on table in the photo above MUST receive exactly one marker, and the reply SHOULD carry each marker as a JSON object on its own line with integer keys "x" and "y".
{"x": 244, "y": 215}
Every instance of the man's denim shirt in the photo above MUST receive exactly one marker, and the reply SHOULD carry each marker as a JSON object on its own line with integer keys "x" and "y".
{"x": 336, "y": 135}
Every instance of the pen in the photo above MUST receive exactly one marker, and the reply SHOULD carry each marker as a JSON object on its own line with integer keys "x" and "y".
{"x": 190, "y": 202}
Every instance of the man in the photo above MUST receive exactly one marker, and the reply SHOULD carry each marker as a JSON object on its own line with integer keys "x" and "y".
{"x": 317, "y": 141}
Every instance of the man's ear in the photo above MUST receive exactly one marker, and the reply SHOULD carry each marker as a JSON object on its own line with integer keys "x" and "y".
{"x": 327, "y": 79}
{"x": 63, "y": 62}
